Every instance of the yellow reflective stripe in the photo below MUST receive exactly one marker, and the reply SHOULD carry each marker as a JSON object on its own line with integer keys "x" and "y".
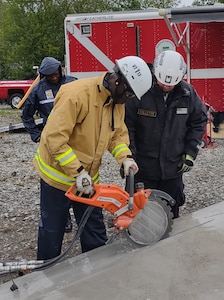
{"x": 118, "y": 149}
{"x": 96, "y": 178}
{"x": 66, "y": 157}
{"x": 53, "y": 173}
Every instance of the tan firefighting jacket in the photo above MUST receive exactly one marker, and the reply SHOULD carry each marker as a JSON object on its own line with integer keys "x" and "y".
{"x": 82, "y": 125}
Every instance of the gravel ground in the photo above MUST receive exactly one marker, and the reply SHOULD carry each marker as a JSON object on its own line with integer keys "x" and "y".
{"x": 19, "y": 194}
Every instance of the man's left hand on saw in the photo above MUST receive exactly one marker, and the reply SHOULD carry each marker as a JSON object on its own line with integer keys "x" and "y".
{"x": 129, "y": 163}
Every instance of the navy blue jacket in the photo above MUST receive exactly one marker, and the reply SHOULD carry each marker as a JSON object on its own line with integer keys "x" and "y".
{"x": 40, "y": 102}
{"x": 162, "y": 131}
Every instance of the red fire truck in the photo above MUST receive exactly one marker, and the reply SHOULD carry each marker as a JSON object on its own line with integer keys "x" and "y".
{"x": 94, "y": 41}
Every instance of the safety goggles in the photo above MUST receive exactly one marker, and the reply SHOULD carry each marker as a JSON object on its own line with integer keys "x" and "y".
{"x": 129, "y": 93}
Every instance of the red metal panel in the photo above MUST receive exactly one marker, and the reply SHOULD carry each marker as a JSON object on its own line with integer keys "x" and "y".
{"x": 118, "y": 39}
{"x": 81, "y": 60}
{"x": 207, "y": 44}
{"x": 113, "y": 39}
{"x": 211, "y": 91}
{"x": 151, "y": 32}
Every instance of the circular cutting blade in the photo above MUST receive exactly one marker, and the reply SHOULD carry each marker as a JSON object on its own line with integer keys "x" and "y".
{"x": 152, "y": 223}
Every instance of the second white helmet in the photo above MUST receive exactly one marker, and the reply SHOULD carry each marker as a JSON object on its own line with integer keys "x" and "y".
{"x": 169, "y": 67}
{"x": 137, "y": 73}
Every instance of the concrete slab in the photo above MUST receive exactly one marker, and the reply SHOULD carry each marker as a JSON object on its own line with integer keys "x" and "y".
{"x": 188, "y": 266}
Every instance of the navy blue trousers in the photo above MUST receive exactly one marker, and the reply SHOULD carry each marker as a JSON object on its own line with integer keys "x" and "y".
{"x": 174, "y": 187}
{"x": 54, "y": 207}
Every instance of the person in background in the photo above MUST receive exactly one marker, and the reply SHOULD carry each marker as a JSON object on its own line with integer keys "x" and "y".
{"x": 87, "y": 119}
{"x": 166, "y": 128}
{"x": 41, "y": 100}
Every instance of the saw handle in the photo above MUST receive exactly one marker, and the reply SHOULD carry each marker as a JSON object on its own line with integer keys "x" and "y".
{"x": 130, "y": 188}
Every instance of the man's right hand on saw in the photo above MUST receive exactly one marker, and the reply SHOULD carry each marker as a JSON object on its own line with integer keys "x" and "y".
{"x": 84, "y": 183}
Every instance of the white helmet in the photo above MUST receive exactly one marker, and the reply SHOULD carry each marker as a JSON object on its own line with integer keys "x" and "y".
{"x": 169, "y": 67}
{"x": 137, "y": 73}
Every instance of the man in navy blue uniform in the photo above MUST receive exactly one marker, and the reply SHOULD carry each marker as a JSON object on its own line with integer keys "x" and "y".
{"x": 41, "y": 101}
{"x": 166, "y": 128}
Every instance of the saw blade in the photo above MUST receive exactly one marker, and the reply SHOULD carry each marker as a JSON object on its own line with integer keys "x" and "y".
{"x": 151, "y": 223}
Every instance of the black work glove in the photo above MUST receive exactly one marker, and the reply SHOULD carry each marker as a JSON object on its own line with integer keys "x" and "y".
{"x": 186, "y": 164}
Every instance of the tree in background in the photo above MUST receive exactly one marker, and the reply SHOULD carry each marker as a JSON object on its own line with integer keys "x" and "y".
{"x": 32, "y": 30}
{"x": 205, "y": 2}
{"x": 159, "y": 4}
{"x": 2, "y": 44}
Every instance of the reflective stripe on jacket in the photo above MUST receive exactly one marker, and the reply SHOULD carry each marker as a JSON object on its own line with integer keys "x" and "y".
{"x": 57, "y": 176}
{"x": 78, "y": 131}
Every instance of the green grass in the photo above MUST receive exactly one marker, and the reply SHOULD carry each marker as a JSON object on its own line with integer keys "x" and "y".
{"x": 8, "y": 111}
{"x": 9, "y": 115}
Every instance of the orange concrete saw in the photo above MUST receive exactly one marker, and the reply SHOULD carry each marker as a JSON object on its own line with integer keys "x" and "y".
{"x": 145, "y": 215}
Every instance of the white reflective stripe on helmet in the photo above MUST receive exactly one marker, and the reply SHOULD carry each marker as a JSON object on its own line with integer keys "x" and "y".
{"x": 169, "y": 67}
{"x": 137, "y": 73}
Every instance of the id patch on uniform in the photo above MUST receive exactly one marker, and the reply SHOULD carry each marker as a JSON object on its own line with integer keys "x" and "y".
{"x": 181, "y": 111}
{"x": 147, "y": 113}
{"x": 49, "y": 94}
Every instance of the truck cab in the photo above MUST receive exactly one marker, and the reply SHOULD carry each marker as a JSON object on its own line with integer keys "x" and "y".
{"x": 12, "y": 91}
